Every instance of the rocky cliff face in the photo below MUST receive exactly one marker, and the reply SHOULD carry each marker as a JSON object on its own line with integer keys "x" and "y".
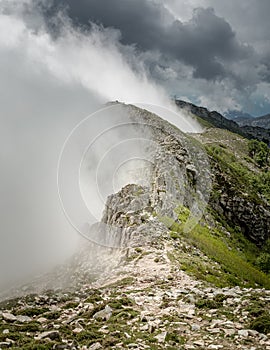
{"x": 234, "y": 198}
{"x": 178, "y": 174}
{"x": 181, "y": 175}
{"x": 249, "y": 214}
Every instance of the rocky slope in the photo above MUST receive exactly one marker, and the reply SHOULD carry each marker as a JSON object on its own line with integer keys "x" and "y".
{"x": 163, "y": 282}
{"x": 149, "y": 303}
{"x": 235, "y": 197}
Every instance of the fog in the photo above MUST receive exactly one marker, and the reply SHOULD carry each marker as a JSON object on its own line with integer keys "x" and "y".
{"x": 47, "y": 86}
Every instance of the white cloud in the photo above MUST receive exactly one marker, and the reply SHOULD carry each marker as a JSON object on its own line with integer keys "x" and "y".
{"x": 93, "y": 60}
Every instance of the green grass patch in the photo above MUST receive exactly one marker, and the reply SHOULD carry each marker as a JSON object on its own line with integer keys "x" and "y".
{"x": 241, "y": 173}
{"x": 89, "y": 337}
{"x": 215, "y": 303}
{"x": 234, "y": 268}
{"x": 33, "y": 311}
{"x": 175, "y": 338}
{"x": 261, "y": 323}
{"x": 94, "y": 297}
{"x": 127, "y": 281}
{"x": 70, "y": 305}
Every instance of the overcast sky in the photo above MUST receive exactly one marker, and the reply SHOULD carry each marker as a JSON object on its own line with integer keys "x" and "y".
{"x": 212, "y": 52}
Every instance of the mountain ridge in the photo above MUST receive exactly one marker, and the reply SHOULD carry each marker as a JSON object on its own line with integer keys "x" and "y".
{"x": 263, "y": 121}
{"x": 218, "y": 120}
{"x": 164, "y": 286}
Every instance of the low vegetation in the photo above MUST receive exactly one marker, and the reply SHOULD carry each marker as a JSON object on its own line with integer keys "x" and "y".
{"x": 234, "y": 266}
{"x": 259, "y": 151}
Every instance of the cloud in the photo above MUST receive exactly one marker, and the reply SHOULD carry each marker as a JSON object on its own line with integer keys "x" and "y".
{"x": 205, "y": 42}
{"x": 250, "y": 23}
{"x": 182, "y": 43}
{"x": 49, "y": 84}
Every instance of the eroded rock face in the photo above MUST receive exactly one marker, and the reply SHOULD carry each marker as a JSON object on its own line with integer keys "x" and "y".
{"x": 181, "y": 175}
{"x": 178, "y": 174}
{"x": 132, "y": 213}
{"x": 127, "y": 206}
{"x": 250, "y": 215}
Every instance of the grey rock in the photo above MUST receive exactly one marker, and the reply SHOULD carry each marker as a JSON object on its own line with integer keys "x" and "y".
{"x": 199, "y": 343}
{"x": 9, "y": 317}
{"x": 104, "y": 314}
{"x": 53, "y": 335}
{"x": 161, "y": 337}
{"x": 243, "y": 333}
{"x": 195, "y": 327}
{"x": 23, "y": 319}
{"x": 229, "y": 332}
{"x": 95, "y": 346}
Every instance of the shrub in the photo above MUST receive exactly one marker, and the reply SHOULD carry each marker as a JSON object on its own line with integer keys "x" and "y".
{"x": 263, "y": 262}
{"x": 33, "y": 311}
{"x": 259, "y": 151}
{"x": 261, "y": 323}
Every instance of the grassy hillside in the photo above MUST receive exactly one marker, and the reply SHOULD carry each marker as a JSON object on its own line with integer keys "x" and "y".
{"x": 236, "y": 259}
{"x": 222, "y": 258}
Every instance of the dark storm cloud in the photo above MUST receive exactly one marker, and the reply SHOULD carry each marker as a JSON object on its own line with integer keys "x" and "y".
{"x": 207, "y": 42}
{"x": 265, "y": 68}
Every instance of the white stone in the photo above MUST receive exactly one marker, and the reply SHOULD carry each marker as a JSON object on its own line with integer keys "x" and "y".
{"x": 42, "y": 320}
{"x": 213, "y": 330}
{"x": 243, "y": 333}
{"x": 252, "y": 332}
{"x": 9, "y": 317}
{"x": 50, "y": 334}
{"x": 77, "y": 330}
{"x": 95, "y": 346}
{"x": 229, "y": 332}
{"x": 199, "y": 343}
{"x": 195, "y": 327}
{"x": 161, "y": 337}
{"x": 23, "y": 319}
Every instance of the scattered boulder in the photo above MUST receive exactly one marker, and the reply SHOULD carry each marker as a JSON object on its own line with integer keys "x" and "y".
{"x": 104, "y": 314}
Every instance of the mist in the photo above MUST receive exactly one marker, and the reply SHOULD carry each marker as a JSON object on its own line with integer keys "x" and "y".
{"x": 47, "y": 86}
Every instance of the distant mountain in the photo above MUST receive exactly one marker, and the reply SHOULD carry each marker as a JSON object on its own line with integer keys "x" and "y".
{"x": 236, "y": 115}
{"x": 213, "y": 118}
{"x": 262, "y": 122}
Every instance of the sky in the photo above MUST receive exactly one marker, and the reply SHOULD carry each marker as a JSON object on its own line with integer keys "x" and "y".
{"x": 61, "y": 60}
{"x": 214, "y": 53}
{"x": 211, "y": 52}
